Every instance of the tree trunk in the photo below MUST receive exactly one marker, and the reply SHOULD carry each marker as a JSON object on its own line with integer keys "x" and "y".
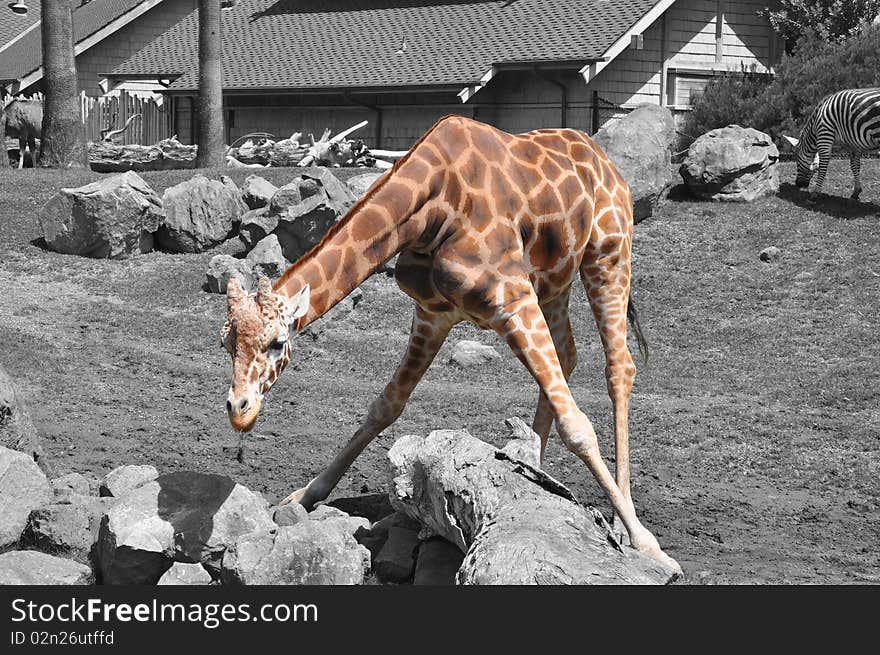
{"x": 63, "y": 142}
{"x": 211, "y": 153}
{"x": 4, "y": 155}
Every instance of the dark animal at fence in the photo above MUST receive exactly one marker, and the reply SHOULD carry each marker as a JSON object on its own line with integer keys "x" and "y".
{"x": 851, "y": 118}
{"x": 24, "y": 120}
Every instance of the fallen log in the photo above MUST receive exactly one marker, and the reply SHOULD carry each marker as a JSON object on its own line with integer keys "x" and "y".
{"x": 108, "y": 157}
{"x": 515, "y": 524}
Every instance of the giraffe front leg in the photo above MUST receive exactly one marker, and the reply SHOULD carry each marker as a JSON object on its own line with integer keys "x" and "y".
{"x": 426, "y": 336}
{"x": 526, "y": 331}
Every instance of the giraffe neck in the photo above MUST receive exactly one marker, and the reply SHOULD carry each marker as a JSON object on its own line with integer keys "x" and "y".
{"x": 375, "y": 229}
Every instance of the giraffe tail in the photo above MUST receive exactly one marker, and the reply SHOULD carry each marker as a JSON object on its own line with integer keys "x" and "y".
{"x": 633, "y": 317}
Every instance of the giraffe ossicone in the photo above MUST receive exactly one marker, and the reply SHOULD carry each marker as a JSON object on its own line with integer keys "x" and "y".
{"x": 490, "y": 228}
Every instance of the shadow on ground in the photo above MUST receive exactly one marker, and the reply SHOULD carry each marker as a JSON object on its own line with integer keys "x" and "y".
{"x": 837, "y": 206}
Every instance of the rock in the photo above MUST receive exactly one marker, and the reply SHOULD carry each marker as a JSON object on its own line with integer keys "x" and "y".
{"x": 23, "y": 488}
{"x": 350, "y": 524}
{"x": 266, "y": 260}
{"x": 28, "y": 567}
{"x": 360, "y": 184}
{"x": 123, "y": 479}
{"x": 310, "y": 552}
{"x": 233, "y": 246}
{"x": 113, "y": 218}
{"x": 223, "y": 268}
{"x": 396, "y": 560}
{"x": 69, "y": 528}
{"x": 770, "y": 254}
{"x": 105, "y": 157}
{"x": 199, "y": 214}
{"x": 72, "y": 484}
{"x": 516, "y": 524}
{"x": 305, "y": 209}
{"x": 438, "y": 563}
{"x": 256, "y": 225}
{"x": 257, "y": 191}
{"x": 184, "y": 517}
{"x": 290, "y": 514}
{"x": 17, "y": 431}
{"x": 639, "y": 146}
{"x": 471, "y": 353}
{"x": 182, "y": 573}
{"x": 732, "y": 163}
{"x": 371, "y": 506}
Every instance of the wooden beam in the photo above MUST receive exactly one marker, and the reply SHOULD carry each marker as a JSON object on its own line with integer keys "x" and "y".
{"x": 719, "y": 33}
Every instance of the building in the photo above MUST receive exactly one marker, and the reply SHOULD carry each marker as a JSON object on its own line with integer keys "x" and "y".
{"x": 307, "y": 65}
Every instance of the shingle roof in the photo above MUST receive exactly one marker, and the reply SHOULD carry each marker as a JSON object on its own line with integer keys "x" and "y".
{"x": 25, "y": 55}
{"x": 305, "y": 44}
{"x": 11, "y": 25}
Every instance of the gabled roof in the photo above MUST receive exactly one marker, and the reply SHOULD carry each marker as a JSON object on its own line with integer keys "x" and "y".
{"x": 346, "y": 44}
{"x": 24, "y": 55}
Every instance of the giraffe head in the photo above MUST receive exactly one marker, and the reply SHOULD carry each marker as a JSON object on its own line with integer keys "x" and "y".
{"x": 257, "y": 336}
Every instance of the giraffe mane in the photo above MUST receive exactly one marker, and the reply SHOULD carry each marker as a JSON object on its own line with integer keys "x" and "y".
{"x": 336, "y": 227}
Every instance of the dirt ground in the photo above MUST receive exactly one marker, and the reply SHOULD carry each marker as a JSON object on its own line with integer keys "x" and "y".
{"x": 755, "y": 426}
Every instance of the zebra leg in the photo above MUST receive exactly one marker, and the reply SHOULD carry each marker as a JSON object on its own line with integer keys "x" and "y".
{"x": 824, "y": 160}
{"x": 855, "y": 163}
{"x": 22, "y": 144}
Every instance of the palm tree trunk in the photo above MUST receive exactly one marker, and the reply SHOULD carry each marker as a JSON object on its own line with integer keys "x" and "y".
{"x": 63, "y": 142}
{"x": 211, "y": 152}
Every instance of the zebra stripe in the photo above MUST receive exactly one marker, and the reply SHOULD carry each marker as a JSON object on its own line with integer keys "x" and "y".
{"x": 851, "y": 118}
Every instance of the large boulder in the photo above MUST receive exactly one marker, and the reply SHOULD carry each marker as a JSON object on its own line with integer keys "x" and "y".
{"x": 516, "y": 524}
{"x": 266, "y": 259}
{"x": 473, "y": 354}
{"x": 178, "y": 517}
{"x": 181, "y": 574}
{"x": 733, "y": 163}
{"x": 257, "y": 191}
{"x": 113, "y": 218}
{"x": 23, "y": 488}
{"x": 17, "y": 430}
{"x": 360, "y": 184}
{"x": 69, "y": 527}
{"x": 223, "y": 268}
{"x": 123, "y": 479}
{"x": 29, "y": 567}
{"x": 199, "y": 214}
{"x": 639, "y": 146}
{"x": 307, "y": 553}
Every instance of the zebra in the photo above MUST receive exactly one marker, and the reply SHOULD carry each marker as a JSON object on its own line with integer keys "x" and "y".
{"x": 850, "y": 117}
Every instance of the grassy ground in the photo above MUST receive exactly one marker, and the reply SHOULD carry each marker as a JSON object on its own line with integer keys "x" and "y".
{"x": 755, "y": 426}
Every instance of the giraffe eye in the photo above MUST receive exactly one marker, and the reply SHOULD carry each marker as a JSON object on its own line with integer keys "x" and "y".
{"x": 277, "y": 345}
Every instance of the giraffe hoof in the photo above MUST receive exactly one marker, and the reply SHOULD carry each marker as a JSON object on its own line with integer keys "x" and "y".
{"x": 298, "y": 496}
{"x": 647, "y": 544}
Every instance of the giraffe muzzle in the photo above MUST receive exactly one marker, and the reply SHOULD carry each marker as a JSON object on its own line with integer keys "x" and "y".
{"x": 242, "y": 412}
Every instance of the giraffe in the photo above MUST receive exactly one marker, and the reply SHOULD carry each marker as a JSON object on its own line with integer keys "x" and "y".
{"x": 491, "y": 228}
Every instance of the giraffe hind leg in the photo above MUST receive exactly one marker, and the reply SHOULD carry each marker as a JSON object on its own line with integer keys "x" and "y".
{"x": 608, "y": 292}
{"x": 523, "y": 326}
{"x": 557, "y": 317}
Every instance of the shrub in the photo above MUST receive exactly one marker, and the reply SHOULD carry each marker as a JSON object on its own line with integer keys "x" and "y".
{"x": 780, "y": 105}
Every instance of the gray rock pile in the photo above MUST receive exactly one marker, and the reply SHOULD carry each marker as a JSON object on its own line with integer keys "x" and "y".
{"x": 732, "y": 164}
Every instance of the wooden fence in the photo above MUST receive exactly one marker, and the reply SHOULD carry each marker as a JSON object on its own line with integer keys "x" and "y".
{"x": 111, "y": 113}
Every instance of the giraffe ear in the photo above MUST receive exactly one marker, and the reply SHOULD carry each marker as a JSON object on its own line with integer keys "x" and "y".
{"x": 298, "y": 305}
